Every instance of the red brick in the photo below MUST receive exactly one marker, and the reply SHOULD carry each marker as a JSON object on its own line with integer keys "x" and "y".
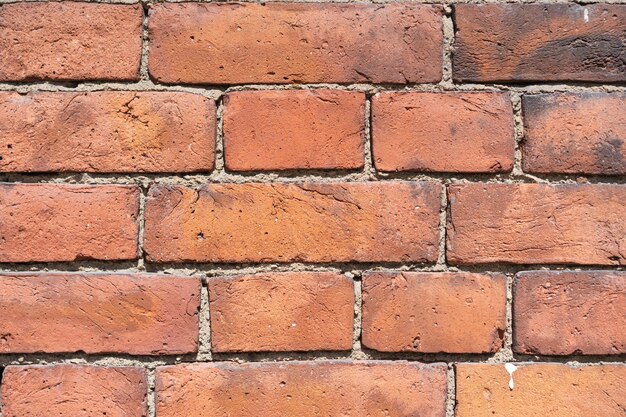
{"x": 443, "y": 132}
{"x": 107, "y": 132}
{"x": 70, "y": 41}
{"x": 281, "y": 130}
{"x": 564, "y": 313}
{"x": 73, "y": 390}
{"x": 295, "y": 311}
{"x": 540, "y": 390}
{"x": 295, "y": 43}
{"x": 53, "y": 222}
{"x": 537, "y": 224}
{"x": 539, "y": 42}
{"x": 98, "y": 313}
{"x": 575, "y": 133}
{"x": 332, "y": 388}
{"x": 434, "y": 312}
{"x": 309, "y": 222}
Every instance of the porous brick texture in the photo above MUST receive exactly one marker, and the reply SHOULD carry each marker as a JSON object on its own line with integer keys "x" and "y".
{"x": 312, "y": 208}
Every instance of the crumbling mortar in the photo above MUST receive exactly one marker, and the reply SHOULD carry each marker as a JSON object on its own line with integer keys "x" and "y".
{"x": 143, "y": 68}
{"x": 451, "y": 390}
{"x": 204, "y": 324}
{"x": 300, "y": 176}
{"x": 443, "y": 228}
{"x": 357, "y": 351}
{"x": 369, "y": 171}
{"x": 448, "y": 42}
{"x": 518, "y": 130}
{"x": 210, "y": 270}
{"x": 216, "y": 91}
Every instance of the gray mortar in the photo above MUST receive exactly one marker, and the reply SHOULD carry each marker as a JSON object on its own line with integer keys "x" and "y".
{"x": 204, "y": 271}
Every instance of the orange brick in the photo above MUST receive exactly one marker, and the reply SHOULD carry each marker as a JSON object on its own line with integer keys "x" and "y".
{"x": 443, "y": 132}
{"x": 280, "y": 130}
{"x": 309, "y": 222}
{"x": 98, "y": 313}
{"x": 434, "y": 312}
{"x": 107, "y": 132}
{"x": 537, "y": 223}
{"x": 296, "y": 311}
{"x": 540, "y": 390}
{"x": 564, "y": 313}
{"x": 73, "y": 390}
{"x": 332, "y": 388}
{"x": 539, "y": 42}
{"x": 295, "y": 43}
{"x": 70, "y": 41}
{"x": 575, "y": 133}
{"x": 53, "y": 222}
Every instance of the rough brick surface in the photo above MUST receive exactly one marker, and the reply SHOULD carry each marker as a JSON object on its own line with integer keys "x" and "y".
{"x": 106, "y": 132}
{"x": 281, "y": 130}
{"x": 537, "y": 223}
{"x": 72, "y": 390}
{"x": 539, "y": 42}
{"x": 434, "y": 312}
{"x": 98, "y": 313}
{"x": 70, "y": 41}
{"x": 540, "y": 390}
{"x": 53, "y": 222}
{"x": 310, "y": 222}
{"x": 443, "y": 132}
{"x": 581, "y": 133}
{"x": 564, "y": 313}
{"x": 281, "y": 312}
{"x": 288, "y": 43}
{"x": 335, "y": 388}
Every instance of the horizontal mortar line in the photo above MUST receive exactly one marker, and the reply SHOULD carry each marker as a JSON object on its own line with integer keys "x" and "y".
{"x": 211, "y": 270}
{"x": 285, "y": 357}
{"x": 214, "y": 91}
{"x": 297, "y": 176}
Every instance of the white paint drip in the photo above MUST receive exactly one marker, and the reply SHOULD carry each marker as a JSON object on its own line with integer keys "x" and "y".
{"x": 510, "y": 368}
{"x": 586, "y": 15}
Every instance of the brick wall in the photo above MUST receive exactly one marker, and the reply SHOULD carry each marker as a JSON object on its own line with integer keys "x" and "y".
{"x": 312, "y": 209}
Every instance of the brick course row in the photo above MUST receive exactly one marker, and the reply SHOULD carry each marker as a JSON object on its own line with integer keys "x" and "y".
{"x": 312, "y": 43}
{"x": 309, "y": 388}
{"x": 173, "y": 132}
{"x": 381, "y": 221}
{"x": 555, "y": 313}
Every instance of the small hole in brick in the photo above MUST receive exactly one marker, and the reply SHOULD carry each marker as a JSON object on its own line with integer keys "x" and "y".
{"x": 0, "y": 157}
{"x": 200, "y": 236}
{"x": 10, "y": 146}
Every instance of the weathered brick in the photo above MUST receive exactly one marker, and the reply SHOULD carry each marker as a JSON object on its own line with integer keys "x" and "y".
{"x": 53, "y": 222}
{"x": 539, "y": 42}
{"x": 311, "y": 222}
{"x": 537, "y": 223}
{"x": 332, "y": 388}
{"x": 294, "y": 311}
{"x": 540, "y": 390}
{"x": 582, "y": 133}
{"x": 106, "y": 132}
{"x": 443, "y": 132}
{"x": 295, "y": 43}
{"x": 434, "y": 312}
{"x": 280, "y": 130}
{"x": 564, "y": 313}
{"x": 98, "y": 313}
{"x": 73, "y": 390}
{"x": 70, "y": 41}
